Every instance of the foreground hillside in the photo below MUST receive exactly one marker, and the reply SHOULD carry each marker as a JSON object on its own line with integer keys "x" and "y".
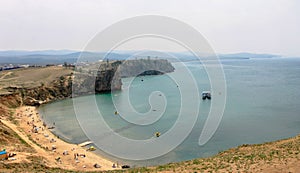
{"x": 279, "y": 156}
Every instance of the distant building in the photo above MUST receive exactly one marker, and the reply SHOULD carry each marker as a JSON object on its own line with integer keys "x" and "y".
{"x": 24, "y": 65}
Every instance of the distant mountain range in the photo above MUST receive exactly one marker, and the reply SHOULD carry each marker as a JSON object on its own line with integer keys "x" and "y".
{"x": 248, "y": 55}
{"x": 43, "y": 57}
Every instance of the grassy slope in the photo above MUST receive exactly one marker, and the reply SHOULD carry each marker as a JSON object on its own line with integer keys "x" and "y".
{"x": 279, "y": 156}
{"x": 31, "y": 77}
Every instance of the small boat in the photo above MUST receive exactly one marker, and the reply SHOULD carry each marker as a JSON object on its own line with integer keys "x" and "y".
{"x": 157, "y": 134}
{"x": 116, "y": 112}
{"x": 206, "y": 95}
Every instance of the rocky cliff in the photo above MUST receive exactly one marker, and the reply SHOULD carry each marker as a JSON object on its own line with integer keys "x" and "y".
{"x": 109, "y": 74}
{"x": 57, "y": 90}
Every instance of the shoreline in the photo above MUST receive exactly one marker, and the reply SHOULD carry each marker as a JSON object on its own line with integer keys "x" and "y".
{"x": 260, "y": 159}
{"x": 57, "y": 152}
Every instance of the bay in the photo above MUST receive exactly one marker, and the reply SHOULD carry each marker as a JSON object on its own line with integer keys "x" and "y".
{"x": 263, "y": 104}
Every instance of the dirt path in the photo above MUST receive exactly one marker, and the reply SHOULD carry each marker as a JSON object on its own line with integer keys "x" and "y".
{"x": 52, "y": 148}
{"x": 6, "y": 74}
{"x": 22, "y": 135}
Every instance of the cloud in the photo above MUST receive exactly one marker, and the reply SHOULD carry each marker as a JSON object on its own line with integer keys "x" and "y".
{"x": 229, "y": 25}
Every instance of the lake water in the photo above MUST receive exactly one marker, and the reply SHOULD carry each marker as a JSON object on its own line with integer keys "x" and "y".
{"x": 263, "y": 104}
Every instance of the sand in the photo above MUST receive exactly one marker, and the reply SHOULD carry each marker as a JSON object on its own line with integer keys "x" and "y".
{"x": 43, "y": 141}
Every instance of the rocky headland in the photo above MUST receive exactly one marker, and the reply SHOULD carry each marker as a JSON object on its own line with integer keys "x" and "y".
{"x": 67, "y": 82}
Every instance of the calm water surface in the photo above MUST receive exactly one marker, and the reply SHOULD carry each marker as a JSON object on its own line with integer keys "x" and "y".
{"x": 263, "y": 104}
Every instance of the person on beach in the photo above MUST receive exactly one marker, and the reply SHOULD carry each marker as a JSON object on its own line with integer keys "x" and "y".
{"x": 76, "y": 156}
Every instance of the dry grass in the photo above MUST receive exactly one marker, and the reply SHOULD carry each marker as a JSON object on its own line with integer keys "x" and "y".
{"x": 279, "y": 156}
{"x": 33, "y": 164}
{"x": 11, "y": 141}
{"x": 31, "y": 77}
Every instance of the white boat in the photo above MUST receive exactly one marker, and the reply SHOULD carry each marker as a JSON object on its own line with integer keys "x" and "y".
{"x": 206, "y": 95}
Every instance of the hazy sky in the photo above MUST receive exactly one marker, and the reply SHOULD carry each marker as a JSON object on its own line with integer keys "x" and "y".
{"x": 259, "y": 26}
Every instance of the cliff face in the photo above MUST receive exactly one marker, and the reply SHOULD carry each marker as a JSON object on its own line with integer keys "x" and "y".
{"x": 59, "y": 89}
{"x": 108, "y": 81}
{"x": 108, "y": 78}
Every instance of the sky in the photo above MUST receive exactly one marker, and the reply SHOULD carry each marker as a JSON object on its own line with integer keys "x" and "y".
{"x": 230, "y": 26}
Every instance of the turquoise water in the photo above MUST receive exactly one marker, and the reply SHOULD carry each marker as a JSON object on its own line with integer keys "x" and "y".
{"x": 263, "y": 104}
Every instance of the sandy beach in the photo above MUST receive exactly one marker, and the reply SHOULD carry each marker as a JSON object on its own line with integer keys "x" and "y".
{"x": 57, "y": 153}
{"x": 279, "y": 156}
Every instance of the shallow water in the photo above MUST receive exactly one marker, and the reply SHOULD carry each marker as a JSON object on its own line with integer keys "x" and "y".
{"x": 262, "y": 105}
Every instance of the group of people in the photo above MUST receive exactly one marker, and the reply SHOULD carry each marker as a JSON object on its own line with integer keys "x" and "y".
{"x": 35, "y": 128}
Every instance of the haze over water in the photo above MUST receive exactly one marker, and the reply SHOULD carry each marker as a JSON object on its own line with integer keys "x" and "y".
{"x": 262, "y": 105}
